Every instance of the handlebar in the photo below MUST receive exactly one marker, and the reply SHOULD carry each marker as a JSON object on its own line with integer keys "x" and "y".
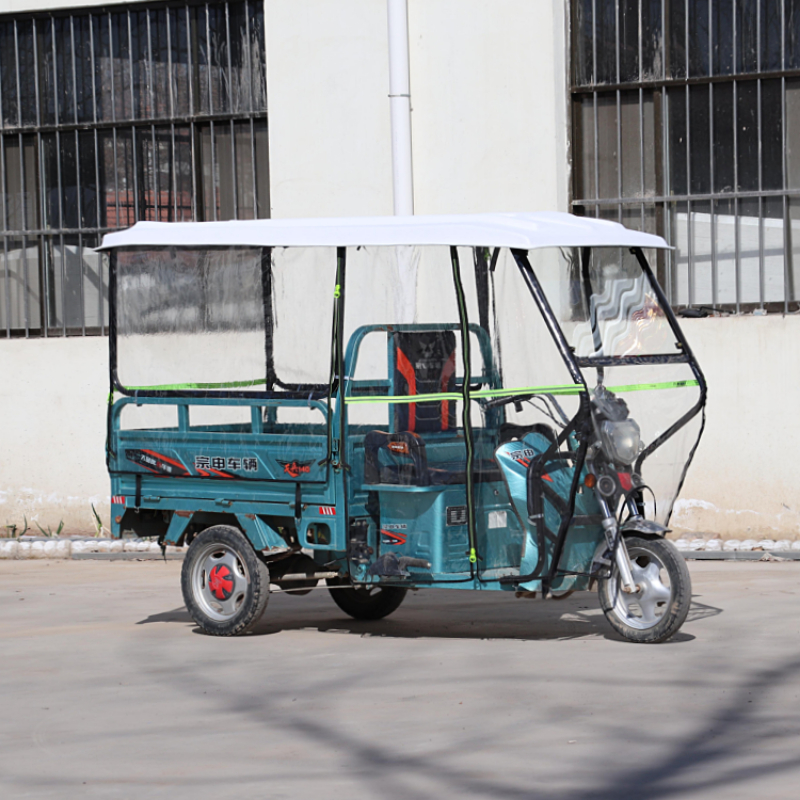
{"x": 521, "y": 398}
{"x": 502, "y": 401}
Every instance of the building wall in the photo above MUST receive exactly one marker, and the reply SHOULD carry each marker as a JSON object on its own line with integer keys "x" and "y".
{"x": 327, "y": 87}
{"x": 488, "y": 97}
{"x": 744, "y": 480}
{"x": 22, "y": 6}
{"x": 489, "y": 126}
{"x": 53, "y": 410}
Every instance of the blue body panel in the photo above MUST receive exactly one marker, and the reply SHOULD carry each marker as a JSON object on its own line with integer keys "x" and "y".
{"x": 582, "y": 540}
{"x": 267, "y": 478}
{"x": 243, "y": 473}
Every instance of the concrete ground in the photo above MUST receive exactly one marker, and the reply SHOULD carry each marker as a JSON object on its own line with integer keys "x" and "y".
{"x": 108, "y": 691}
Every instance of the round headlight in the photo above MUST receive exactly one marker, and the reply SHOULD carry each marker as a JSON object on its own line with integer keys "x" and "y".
{"x": 622, "y": 440}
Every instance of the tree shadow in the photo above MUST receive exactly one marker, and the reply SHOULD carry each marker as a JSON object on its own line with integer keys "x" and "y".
{"x": 714, "y": 758}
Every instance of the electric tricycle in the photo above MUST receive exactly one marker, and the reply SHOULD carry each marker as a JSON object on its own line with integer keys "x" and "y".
{"x": 494, "y": 402}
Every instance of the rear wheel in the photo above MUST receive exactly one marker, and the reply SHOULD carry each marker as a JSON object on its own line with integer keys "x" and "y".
{"x": 657, "y": 610}
{"x": 373, "y": 602}
{"x": 225, "y": 584}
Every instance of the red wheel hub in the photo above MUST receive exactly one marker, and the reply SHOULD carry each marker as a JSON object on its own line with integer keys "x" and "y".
{"x": 220, "y": 582}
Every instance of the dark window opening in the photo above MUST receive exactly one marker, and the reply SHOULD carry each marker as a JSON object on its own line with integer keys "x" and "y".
{"x": 110, "y": 116}
{"x": 686, "y": 118}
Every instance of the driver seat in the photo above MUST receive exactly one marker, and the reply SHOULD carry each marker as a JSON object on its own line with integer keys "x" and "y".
{"x": 425, "y": 363}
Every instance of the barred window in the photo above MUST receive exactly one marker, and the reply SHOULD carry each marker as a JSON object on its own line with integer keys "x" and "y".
{"x": 145, "y": 112}
{"x": 686, "y": 123}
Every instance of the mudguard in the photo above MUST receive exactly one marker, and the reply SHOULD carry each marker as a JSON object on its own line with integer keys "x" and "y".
{"x": 514, "y": 458}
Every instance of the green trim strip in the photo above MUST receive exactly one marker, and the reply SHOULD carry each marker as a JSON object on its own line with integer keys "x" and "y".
{"x": 641, "y": 387}
{"x": 176, "y": 387}
{"x": 564, "y": 389}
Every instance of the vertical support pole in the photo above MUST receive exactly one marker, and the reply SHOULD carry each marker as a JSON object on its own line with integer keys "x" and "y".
{"x": 619, "y": 115}
{"x": 595, "y": 132}
{"x": 466, "y": 412}
{"x": 400, "y": 107}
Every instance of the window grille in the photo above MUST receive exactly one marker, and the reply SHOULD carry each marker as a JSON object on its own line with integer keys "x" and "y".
{"x": 109, "y": 116}
{"x": 686, "y": 123}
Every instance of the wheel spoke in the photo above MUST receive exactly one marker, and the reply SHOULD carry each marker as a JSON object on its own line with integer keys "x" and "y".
{"x": 645, "y": 608}
{"x": 231, "y": 605}
{"x": 230, "y": 560}
{"x": 651, "y": 572}
{"x": 626, "y": 601}
{"x": 659, "y": 592}
{"x": 652, "y": 591}
{"x": 648, "y": 606}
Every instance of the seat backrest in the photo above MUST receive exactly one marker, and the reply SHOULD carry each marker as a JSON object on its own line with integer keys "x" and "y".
{"x": 424, "y": 363}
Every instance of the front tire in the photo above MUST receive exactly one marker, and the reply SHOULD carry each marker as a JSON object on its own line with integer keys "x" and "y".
{"x": 655, "y": 612}
{"x": 366, "y": 602}
{"x": 225, "y": 584}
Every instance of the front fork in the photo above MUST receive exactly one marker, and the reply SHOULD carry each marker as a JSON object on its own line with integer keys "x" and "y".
{"x": 623, "y": 561}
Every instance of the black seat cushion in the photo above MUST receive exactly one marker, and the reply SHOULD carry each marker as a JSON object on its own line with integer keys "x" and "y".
{"x": 400, "y": 459}
{"x": 395, "y": 458}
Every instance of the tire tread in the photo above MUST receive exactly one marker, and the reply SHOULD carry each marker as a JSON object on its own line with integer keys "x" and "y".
{"x": 258, "y": 590}
{"x": 681, "y": 585}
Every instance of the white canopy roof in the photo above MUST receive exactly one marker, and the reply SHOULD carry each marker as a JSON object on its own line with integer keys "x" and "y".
{"x": 525, "y": 231}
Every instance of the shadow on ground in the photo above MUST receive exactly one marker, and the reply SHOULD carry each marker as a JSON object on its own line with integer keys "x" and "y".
{"x": 712, "y": 759}
{"x": 452, "y": 617}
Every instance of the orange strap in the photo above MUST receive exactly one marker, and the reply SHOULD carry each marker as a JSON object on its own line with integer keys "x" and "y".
{"x": 447, "y": 373}
{"x": 407, "y": 371}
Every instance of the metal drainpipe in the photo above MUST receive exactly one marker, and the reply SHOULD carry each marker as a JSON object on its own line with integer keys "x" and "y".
{"x": 400, "y": 106}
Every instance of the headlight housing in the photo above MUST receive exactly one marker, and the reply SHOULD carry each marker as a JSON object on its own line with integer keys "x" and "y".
{"x": 621, "y": 440}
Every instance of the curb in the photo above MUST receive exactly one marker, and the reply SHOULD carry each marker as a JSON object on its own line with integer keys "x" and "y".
{"x": 80, "y": 548}
{"x": 127, "y": 557}
{"x": 144, "y": 550}
{"x": 741, "y": 555}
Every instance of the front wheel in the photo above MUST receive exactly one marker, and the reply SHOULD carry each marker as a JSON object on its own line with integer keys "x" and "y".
{"x": 366, "y": 602}
{"x": 657, "y": 610}
{"x": 225, "y": 584}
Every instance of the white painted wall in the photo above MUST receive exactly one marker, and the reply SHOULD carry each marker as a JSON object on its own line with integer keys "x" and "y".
{"x": 488, "y": 99}
{"x": 745, "y": 479}
{"x": 743, "y": 482}
{"x": 327, "y": 89}
{"x": 488, "y": 92}
{"x": 19, "y": 6}
{"x": 52, "y": 446}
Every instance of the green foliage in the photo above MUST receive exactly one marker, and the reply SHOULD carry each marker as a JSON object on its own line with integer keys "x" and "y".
{"x": 98, "y": 523}
{"x": 13, "y": 528}
{"x": 49, "y": 532}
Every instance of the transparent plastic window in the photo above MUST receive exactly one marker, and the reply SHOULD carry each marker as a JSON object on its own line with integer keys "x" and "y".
{"x": 673, "y": 394}
{"x": 195, "y": 318}
{"x": 606, "y": 305}
{"x": 402, "y": 335}
{"x": 189, "y": 316}
{"x": 531, "y": 368}
{"x": 526, "y": 354}
{"x": 404, "y": 366}
{"x": 303, "y": 283}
